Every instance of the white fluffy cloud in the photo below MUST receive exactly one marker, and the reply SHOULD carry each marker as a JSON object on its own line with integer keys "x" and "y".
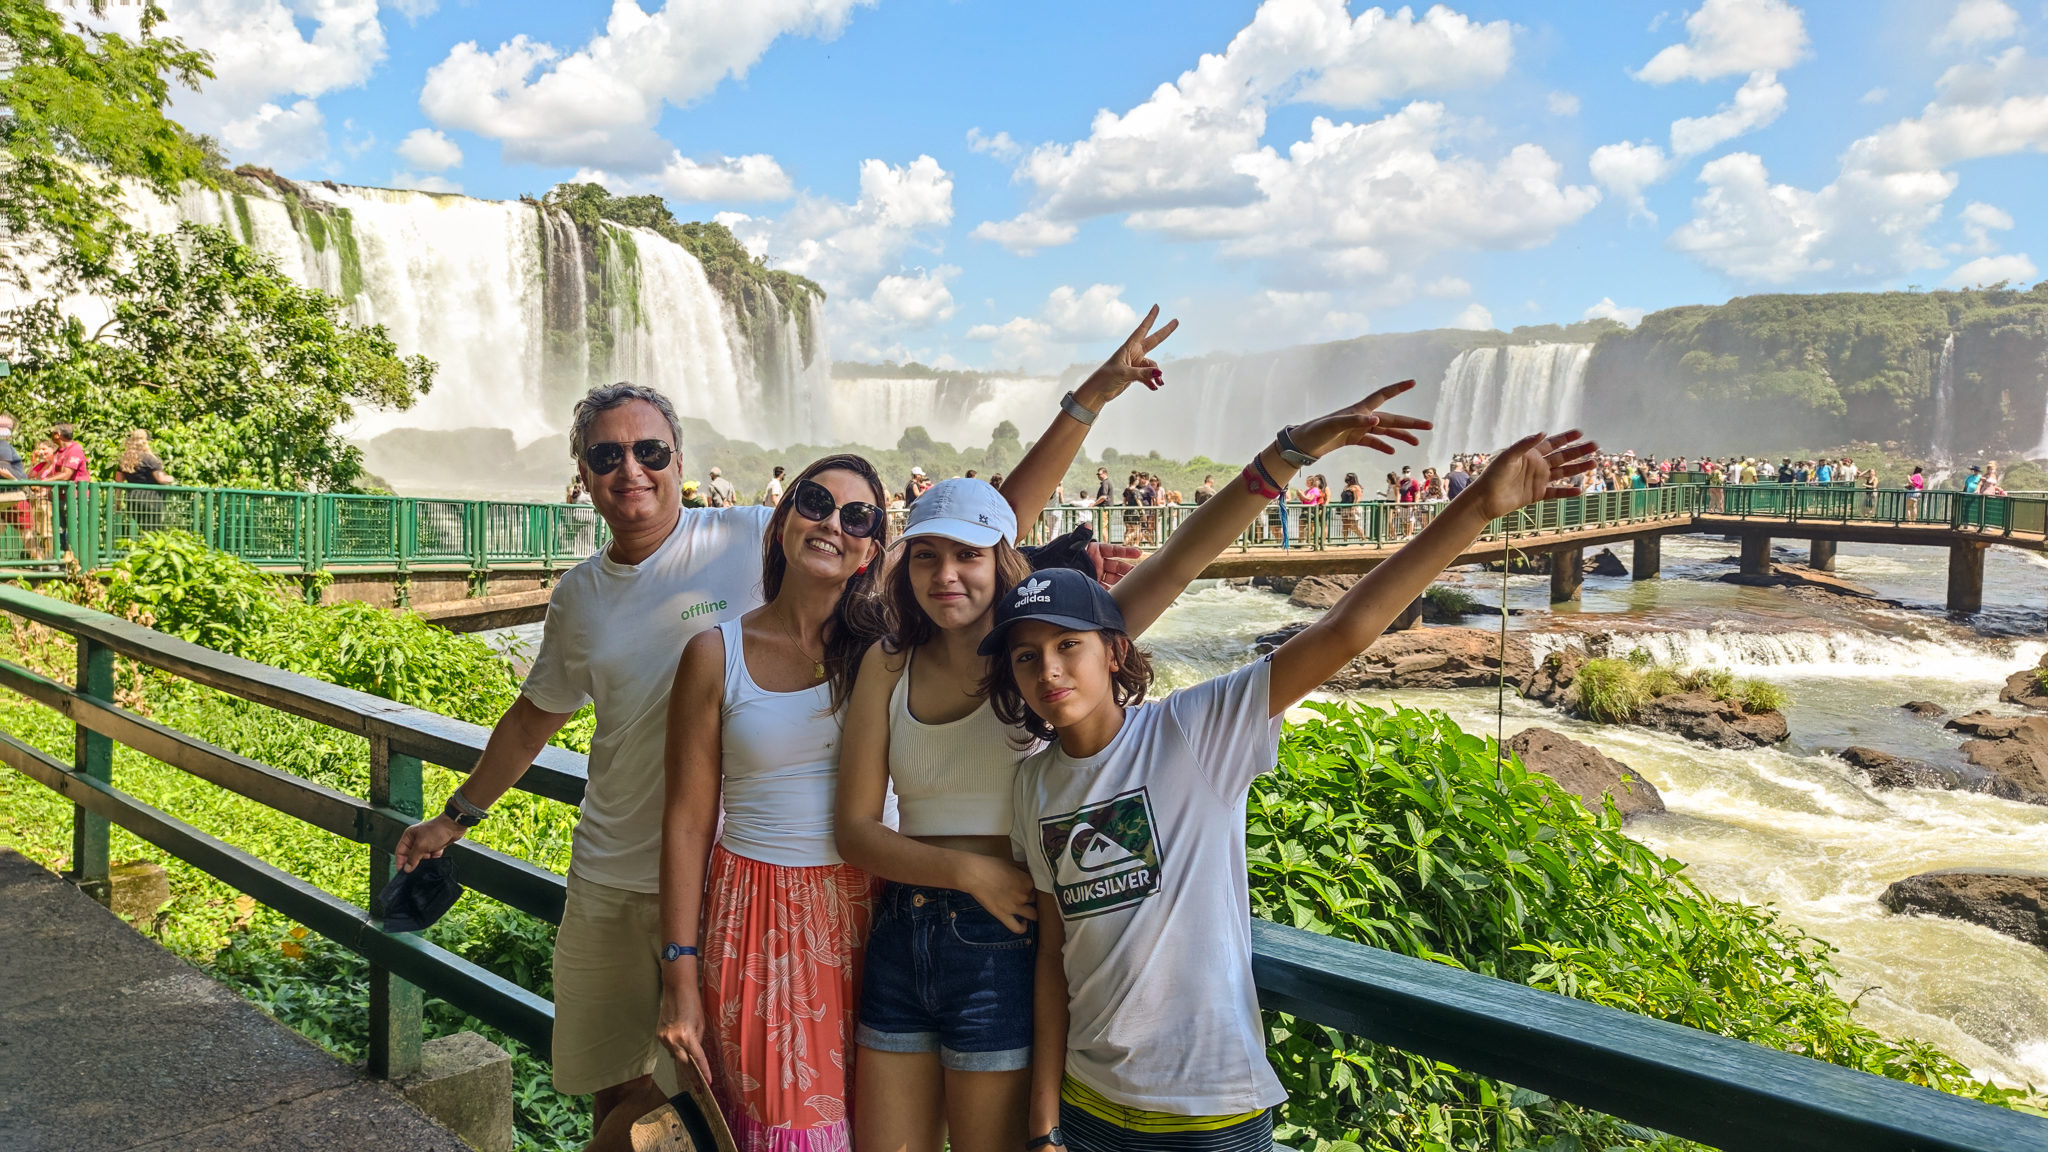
{"x": 1729, "y": 37}
{"x": 1980, "y": 220}
{"x": 856, "y": 251}
{"x": 269, "y": 73}
{"x": 1447, "y": 287}
{"x": 426, "y": 183}
{"x": 1069, "y": 318}
{"x": 755, "y": 177}
{"x": 597, "y": 106}
{"x": 1627, "y": 169}
{"x": 1340, "y": 208}
{"x": 1563, "y": 104}
{"x": 431, "y": 150}
{"x": 1475, "y": 316}
{"x": 1872, "y": 220}
{"x": 1760, "y": 100}
{"x": 1980, "y": 22}
{"x": 1607, "y": 309}
{"x": 2016, "y": 269}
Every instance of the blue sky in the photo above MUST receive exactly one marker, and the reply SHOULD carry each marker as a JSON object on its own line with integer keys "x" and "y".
{"x": 1000, "y": 185}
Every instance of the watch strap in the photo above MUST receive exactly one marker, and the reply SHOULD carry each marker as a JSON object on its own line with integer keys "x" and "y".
{"x": 462, "y": 818}
{"x": 1291, "y": 452}
{"x": 1076, "y": 409}
{"x": 673, "y": 951}
{"x": 1054, "y": 1137}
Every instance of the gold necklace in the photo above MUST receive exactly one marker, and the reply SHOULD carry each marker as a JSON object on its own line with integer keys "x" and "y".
{"x": 817, "y": 665}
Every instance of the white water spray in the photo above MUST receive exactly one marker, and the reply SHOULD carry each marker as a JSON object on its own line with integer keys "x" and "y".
{"x": 1492, "y": 396}
{"x": 1945, "y": 402}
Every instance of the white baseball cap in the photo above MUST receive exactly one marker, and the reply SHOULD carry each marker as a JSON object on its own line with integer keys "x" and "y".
{"x": 916, "y": 471}
{"x": 970, "y": 511}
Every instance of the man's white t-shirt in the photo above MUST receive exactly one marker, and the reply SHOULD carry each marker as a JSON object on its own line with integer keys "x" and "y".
{"x": 613, "y": 636}
{"x": 1142, "y": 844}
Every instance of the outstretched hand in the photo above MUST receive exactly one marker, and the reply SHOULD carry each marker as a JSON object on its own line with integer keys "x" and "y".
{"x": 1132, "y": 362}
{"x": 1362, "y": 424}
{"x": 1533, "y": 468}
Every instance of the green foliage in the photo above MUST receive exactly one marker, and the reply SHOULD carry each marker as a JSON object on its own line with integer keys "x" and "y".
{"x": 1613, "y": 690}
{"x": 1450, "y": 601}
{"x": 86, "y": 111}
{"x": 174, "y": 583}
{"x": 1395, "y": 829}
{"x": 726, "y": 262}
{"x": 241, "y": 376}
{"x": 1759, "y": 696}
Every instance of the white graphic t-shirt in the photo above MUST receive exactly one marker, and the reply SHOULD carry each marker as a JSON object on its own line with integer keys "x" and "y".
{"x": 1143, "y": 846}
{"x": 614, "y": 635}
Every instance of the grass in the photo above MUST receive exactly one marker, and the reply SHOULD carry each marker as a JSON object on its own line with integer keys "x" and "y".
{"x": 1450, "y": 601}
{"x": 1613, "y": 690}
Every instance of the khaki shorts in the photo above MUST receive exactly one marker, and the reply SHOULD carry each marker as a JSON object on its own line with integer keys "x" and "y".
{"x": 608, "y": 990}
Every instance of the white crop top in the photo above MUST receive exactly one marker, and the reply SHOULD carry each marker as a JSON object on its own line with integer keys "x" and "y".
{"x": 953, "y": 779}
{"x": 780, "y": 762}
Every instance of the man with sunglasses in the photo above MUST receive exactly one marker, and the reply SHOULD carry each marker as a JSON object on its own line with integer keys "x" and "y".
{"x": 615, "y": 627}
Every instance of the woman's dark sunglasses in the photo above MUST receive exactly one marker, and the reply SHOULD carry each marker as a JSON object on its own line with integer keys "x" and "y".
{"x": 604, "y": 459}
{"x": 857, "y": 518}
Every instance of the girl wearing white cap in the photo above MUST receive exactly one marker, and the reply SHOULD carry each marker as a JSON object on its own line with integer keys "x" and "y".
{"x": 946, "y": 1001}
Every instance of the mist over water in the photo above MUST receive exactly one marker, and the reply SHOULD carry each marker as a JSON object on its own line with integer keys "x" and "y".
{"x": 1788, "y": 826}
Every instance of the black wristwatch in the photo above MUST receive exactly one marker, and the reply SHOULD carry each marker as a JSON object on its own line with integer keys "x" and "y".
{"x": 1291, "y": 452}
{"x": 1056, "y": 1138}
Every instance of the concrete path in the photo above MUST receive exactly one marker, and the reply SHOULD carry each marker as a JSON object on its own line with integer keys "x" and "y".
{"x": 107, "y": 1042}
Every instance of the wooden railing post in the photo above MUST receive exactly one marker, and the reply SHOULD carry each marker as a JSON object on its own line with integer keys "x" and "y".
{"x": 92, "y": 755}
{"x": 394, "y": 1003}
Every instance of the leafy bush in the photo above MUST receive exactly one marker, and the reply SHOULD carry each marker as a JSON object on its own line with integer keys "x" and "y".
{"x": 1450, "y": 601}
{"x": 172, "y": 582}
{"x": 1608, "y": 691}
{"x": 1761, "y": 696}
{"x": 1396, "y": 829}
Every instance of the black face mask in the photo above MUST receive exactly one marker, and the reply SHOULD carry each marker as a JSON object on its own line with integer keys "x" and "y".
{"x": 413, "y": 900}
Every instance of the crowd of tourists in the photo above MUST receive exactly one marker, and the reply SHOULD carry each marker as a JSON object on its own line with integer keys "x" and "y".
{"x": 892, "y": 840}
{"x": 39, "y": 515}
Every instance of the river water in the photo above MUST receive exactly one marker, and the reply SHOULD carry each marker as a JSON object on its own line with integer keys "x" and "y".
{"x": 1790, "y": 826}
{"x": 1787, "y": 826}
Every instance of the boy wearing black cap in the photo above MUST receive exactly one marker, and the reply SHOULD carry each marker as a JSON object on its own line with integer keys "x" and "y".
{"x": 1132, "y": 823}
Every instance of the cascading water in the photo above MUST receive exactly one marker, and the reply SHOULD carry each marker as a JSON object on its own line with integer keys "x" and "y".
{"x": 1945, "y": 402}
{"x": 955, "y": 410}
{"x": 522, "y": 310}
{"x": 1492, "y": 396}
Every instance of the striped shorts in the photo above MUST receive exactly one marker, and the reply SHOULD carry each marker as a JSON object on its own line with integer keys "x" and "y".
{"x": 1093, "y": 1123}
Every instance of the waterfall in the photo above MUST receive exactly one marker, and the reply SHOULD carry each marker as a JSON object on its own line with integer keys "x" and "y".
{"x": 956, "y": 410}
{"x": 522, "y": 310}
{"x": 1945, "y": 402}
{"x": 1492, "y": 396}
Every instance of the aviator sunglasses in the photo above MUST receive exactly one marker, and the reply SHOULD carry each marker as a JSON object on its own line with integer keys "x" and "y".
{"x": 604, "y": 459}
{"x": 857, "y": 518}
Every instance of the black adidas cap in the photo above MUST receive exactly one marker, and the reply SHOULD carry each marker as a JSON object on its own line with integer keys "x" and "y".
{"x": 1062, "y": 596}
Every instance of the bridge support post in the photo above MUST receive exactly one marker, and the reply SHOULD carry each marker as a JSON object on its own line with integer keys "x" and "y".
{"x": 1966, "y": 578}
{"x": 1756, "y": 555}
{"x": 1822, "y": 558}
{"x": 1649, "y": 558}
{"x": 394, "y": 1003}
{"x": 1567, "y": 573}
{"x": 93, "y": 755}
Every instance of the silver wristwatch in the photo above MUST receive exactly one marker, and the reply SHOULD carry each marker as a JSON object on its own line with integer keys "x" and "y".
{"x": 1074, "y": 408}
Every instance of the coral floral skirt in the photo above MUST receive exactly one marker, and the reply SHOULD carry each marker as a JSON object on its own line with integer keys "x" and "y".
{"x": 781, "y": 963}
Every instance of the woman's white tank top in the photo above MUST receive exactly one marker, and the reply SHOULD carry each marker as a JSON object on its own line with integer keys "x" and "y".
{"x": 953, "y": 779}
{"x": 780, "y": 761}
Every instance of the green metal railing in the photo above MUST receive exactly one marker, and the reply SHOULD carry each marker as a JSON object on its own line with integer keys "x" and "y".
{"x": 300, "y": 532}
{"x": 1725, "y": 1092}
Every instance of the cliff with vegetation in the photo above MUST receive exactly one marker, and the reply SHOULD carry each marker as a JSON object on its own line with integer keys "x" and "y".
{"x": 1784, "y": 372}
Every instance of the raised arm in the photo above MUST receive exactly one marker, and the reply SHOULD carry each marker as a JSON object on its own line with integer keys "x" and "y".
{"x": 689, "y": 817}
{"x": 1030, "y": 484}
{"x": 1535, "y": 468}
{"x": 1154, "y": 584}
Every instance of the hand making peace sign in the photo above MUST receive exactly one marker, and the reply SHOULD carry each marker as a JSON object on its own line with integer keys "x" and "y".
{"x": 1129, "y": 363}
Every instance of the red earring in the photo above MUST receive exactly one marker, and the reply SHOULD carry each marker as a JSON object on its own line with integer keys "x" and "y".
{"x": 860, "y": 570}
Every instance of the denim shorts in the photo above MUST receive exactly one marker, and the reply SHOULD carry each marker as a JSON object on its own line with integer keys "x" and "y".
{"x": 943, "y": 975}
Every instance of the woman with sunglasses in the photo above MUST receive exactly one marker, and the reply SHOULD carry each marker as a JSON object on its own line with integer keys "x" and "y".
{"x": 946, "y": 1012}
{"x": 761, "y": 999}
{"x": 765, "y": 998}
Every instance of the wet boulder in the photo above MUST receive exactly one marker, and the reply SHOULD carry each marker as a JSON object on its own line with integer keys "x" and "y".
{"x": 1924, "y": 708}
{"x": 1587, "y": 772}
{"x": 1552, "y": 682}
{"x": 1721, "y": 723}
{"x": 1888, "y": 771}
{"x": 1320, "y": 592}
{"x": 1435, "y": 658}
{"x": 1606, "y": 563}
{"x": 2024, "y": 687}
{"x": 2014, "y": 902}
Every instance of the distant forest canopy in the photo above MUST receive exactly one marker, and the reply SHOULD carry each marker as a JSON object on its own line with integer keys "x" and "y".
{"x": 1769, "y": 372}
